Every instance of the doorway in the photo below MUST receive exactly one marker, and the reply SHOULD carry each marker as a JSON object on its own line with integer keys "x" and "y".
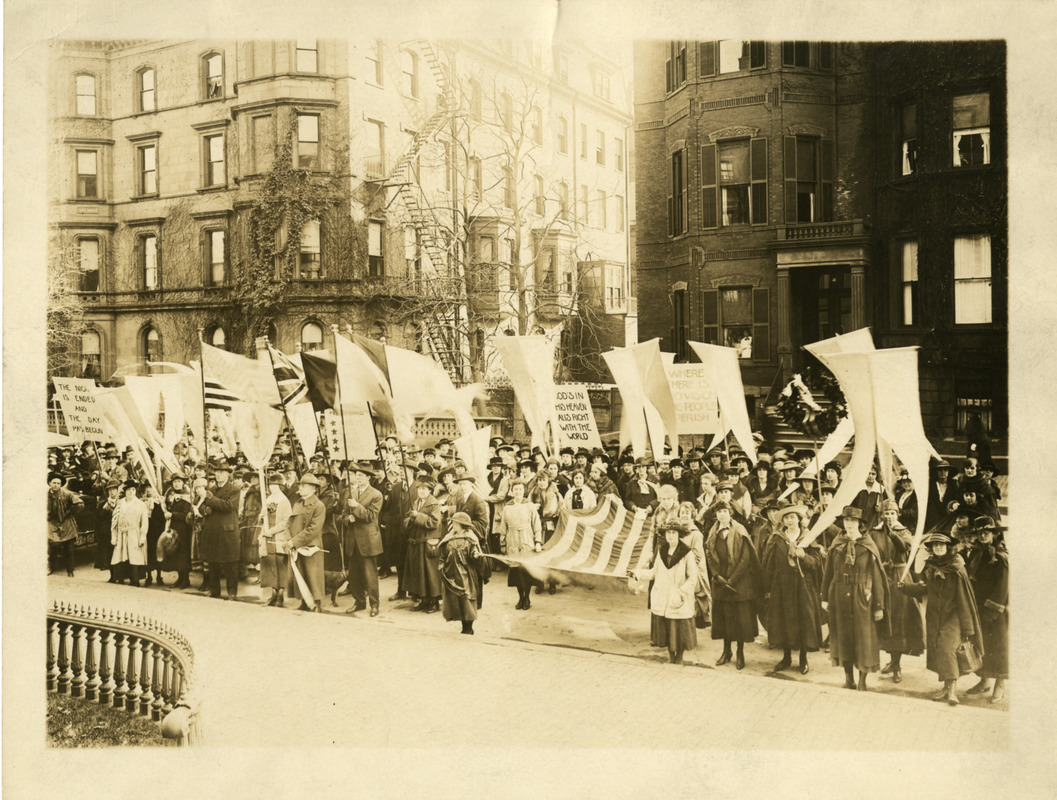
{"x": 822, "y": 307}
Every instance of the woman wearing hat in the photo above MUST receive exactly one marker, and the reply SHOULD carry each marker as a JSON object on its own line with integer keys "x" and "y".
{"x": 520, "y": 534}
{"x": 274, "y": 534}
{"x": 178, "y": 560}
{"x": 906, "y": 632}
{"x": 422, "y": 521}
{"x": 156, "y": 516}
{"x": 791, "y": 577}
{"x": 128, "y": 535}
{"x": 988, "y": 568}
{"x": 104, "y": 549}
{"x": 460, "y": 564}
{"x": 950, "y": 612}
{"x": 62, "y": 523}
{"x": 735, "y": 571}
{"x": 674, "y": 575}
{"x": 695, "y": 540}
{"x": 640, "y": 492}
{"x": 854, "y": 593}
{"x": 580, "y": 496}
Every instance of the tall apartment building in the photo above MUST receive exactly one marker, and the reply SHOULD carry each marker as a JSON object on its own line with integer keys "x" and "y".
{"x": 404, "y": 173}
{"x": 776, "y": 207}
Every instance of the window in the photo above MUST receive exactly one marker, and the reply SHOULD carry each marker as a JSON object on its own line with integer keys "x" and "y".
{"x": 476, "y": 178}
{"x": 308, "y": 141}
{"x": 307, "y": 55}
{"x": 148, "y": 261}
{"x": 545, "y": 283}
{"x": 475, "y": 101}
{"x": 217, "y": 260}
{"x": 825, "y": 55}
{"x": 311, "y": 336}
{"x": 375, "y": 154}
{"x": 677, "y": 193}
{"x": 972, "y": 279}
{"x": 675, "y": 66}
{"x": 413, "y": 253}
{"x": 563, "y": 135}
{"x": 536, "y": 125}
{"x": 213, "y": 75}
{"x": 563, "y": 199}
{"x": 541, "y": 205}
{"x": 91, "y": 355}
{"x": 88, "y": 261}
{"x": 737, "y": 55}
{"x": 738, "y": 317}
{"x": 808, "y": 179}
{"x": 740, "y": 167}
{"x": 145, "y": 81}
{"x": 908, "y": 139}
{"x": 614, "y": 286}
{"x": 618, "y": 154}
{"x": 218, "y": 338}
{"x": 620, "y": 213}
{"x": 513, "y": 264}
{"x": 568, "y": 275}
{"x": 680, "y": 325}
{"x": 308, "y": 263}
{"x": 602, "y": 218}
{"x": 148, "y": 169}
{"x": 585, "y": 216}
{"x": 214, "y": 153}
{"x": 375, "y": 66}
{"x": 410, "y": 70}
{"x": 600, "y": 84}
{"x": 583, "y": 140}
{"x": 152, "y": 346}
{"x": 87, "y": 174}
{"x": 796, "y": 54}
{"x": 375, "y": 249}
{"x": 908, "y": 258}
{"x": 972, "y": 129}
{"x": 85, "y": 93}
{"x": 600, "y": 149}
{"x": 509, "y": 190}
{"x": 263, "y": 132}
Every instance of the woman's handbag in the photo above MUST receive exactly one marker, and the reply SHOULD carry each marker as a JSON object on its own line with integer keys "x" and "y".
{"x": 968, "y": 659}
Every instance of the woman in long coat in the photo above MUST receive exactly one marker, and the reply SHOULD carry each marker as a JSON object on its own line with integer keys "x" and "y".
{"x": 104, "y": 548}
{"x": 791, "y": 577}
{"x": 695, "y": 540}
{"x": 128, "y": 535}
{"x": 854, "y": 590}
{"x": 906, "y": 631}
{"x": 950, "y": 613}
{"x": 178, "y": 503}
{"x": 62, "y": 524}
{"x": 734, "y": 568}
{"x": 274, "y": 535}
{"x": 520, "y": 534}
{"x": 422, "y": 521}
{"x": 460, "y": 560}
{"x": 674, "y": 575}
{"x": 988, "y": 569}
{"x": 156, "y": 514}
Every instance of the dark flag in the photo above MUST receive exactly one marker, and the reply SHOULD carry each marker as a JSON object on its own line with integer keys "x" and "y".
{"x": 321, "y": 380}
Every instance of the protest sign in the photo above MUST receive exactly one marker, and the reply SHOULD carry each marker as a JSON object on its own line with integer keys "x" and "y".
{"x": 576, "y": 420}
{"x": 80, "y": 408}
{"x": 696, "y": 406}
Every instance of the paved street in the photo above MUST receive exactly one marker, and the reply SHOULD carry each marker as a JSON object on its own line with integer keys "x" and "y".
{"x": 270, "y": 677}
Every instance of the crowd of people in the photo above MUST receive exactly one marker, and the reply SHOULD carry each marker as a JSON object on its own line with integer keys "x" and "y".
{"x": 729, "y": 550}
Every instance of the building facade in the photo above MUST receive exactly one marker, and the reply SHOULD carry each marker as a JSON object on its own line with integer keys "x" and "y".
{"x": 230, "y": 189}
{"x": 773, "y": 209}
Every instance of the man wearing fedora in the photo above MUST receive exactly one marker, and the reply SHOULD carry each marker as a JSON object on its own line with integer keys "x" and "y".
{"x": 362, "y": 537}
{"x": 220, "y": 545}
{"x": 306, "y": 542}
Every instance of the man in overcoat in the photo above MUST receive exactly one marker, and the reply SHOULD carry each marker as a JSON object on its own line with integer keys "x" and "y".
{"x": 362, "y": 538}
{"x": 220, "y": 546}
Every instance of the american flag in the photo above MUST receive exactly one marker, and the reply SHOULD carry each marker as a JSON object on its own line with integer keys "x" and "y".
{"x": 289, "y": 377}
{"x": 229, "y": 378}
{"x": 607, "y": 540}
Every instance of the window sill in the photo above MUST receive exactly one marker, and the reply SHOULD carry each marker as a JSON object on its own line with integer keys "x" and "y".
{"x": 212, "y": 189}
{"x": 88, "y": 201}
{"x": 205, "y": 100}
{"x": 152, "y": 196}
{"x": 136, "y": 114}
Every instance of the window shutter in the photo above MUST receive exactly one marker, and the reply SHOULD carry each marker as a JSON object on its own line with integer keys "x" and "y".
{"x": 706, "y": 59}
{"x": 761, "y": 328}
{"x": 827, "y": 170}
{"x": 684, "y": 193}
{"x": 710, "y": 316}
{"x": 758, "y": 176}
{"x": 709, "y": 187}
{"x": 671, "y": 206}
{"x": 790, "y": 179}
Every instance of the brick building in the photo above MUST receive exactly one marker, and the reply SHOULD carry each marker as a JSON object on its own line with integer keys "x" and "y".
{"x": 391, "y": 208}
{"x": 787, "y": 191}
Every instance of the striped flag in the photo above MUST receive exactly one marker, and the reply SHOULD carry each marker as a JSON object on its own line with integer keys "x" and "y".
{"x": 230, "y": 377}
{"x": 288, "y": 377}
{"x": 605, "y": 541}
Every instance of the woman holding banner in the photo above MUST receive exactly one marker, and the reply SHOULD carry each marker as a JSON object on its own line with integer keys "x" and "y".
{"x": 674, "y": 577}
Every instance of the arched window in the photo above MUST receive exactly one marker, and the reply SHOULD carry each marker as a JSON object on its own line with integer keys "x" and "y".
{"x": 311, "y": 336}
{"x": 152, "y": 345}
{"x": 91, "y": 354}
{"x": 145, "y": 89}
{"x": 212, "y": 75}
{"x": 309, "y": 263}
{"x": 218, "y": 338}
{"x": 86, "y": 97}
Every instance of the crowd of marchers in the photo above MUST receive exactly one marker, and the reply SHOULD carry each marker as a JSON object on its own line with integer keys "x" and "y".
{"x": 729, "y": 545}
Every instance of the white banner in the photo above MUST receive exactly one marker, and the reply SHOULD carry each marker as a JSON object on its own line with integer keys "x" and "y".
{"x": 81, "y": 409}
{"x": 576, "y": 419}
{"x": 696, "y": 402}
{"x": 351, "y": 435}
